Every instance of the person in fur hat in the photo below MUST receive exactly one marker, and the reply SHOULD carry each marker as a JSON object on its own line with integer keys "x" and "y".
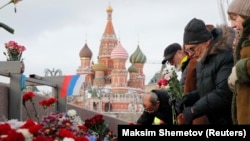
{"x": 239, "y": 80}
{"x": 213, "y": 51}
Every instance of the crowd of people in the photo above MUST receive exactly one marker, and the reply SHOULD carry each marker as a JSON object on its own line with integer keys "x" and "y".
{"x": 215, "y": 74}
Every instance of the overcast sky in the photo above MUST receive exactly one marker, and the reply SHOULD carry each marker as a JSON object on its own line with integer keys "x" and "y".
{"x": 54, "y": 31}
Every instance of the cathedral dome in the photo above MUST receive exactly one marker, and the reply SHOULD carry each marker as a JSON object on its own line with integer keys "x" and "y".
{"x": 138, "y": 56}
{"x": 119, "y": 52}
{"x": 132, "y": 69}
{"x": 99, "y": 67}
{"x": 109, "y": 9}
{"x": 85, "y": 52}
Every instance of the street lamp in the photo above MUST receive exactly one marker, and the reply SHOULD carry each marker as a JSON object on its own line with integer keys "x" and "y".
{"x": 53, "y": 72}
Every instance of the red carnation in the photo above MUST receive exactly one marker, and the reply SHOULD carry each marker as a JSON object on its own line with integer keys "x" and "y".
{"x": 51, "y": 101}
{"x": 14, "y": 136}
{"x": 4, "y": 128}
{"x": 43, "y": 103}
{"x": 35, "y": 128}
{"x": 28, "y": 123}
{"x": 82, "y": 127}
{"x": 162, "y": 82}
{"x": 66, "y": 133}
{"x": 82, "y": 138}
{"x": 159, "y": 83}
{"x": 28, "y": 96}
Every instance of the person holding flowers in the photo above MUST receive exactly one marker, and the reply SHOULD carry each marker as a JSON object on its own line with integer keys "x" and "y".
{"x": 213, "y": 51}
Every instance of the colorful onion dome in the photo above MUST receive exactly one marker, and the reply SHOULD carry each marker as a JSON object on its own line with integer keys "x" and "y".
{"x": 138, "y": 56}
{"x": 99, "y": 67}
{"x": 119, "y": 52}
{"x": 132, "y": 69}
{"x": 109, "y": 9}
{"x": 85, "y": 52}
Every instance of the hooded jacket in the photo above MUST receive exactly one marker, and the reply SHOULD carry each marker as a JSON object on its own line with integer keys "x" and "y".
{"x": 213, "y": 97}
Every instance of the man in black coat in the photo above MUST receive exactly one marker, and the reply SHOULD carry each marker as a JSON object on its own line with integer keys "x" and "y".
{"x": 156, "y": 105}
{"x": 213, "y": 50}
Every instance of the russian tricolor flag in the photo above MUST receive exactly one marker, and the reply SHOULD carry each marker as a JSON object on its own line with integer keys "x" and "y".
{"x": 71, "y": 85}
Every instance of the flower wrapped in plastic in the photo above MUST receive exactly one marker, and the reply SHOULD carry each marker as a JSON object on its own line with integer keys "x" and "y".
{"x": 173, "y": 87}
{"x": 97, "y": 126}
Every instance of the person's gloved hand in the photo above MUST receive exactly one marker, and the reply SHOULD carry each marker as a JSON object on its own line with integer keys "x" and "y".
{"x": 171, "y": 101}
{"x": 179, "y": 105}
{"x": 232, "y": 78}
{"x": 188, "y": 115}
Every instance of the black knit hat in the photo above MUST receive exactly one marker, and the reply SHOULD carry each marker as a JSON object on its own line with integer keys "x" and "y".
{"x": 170, "y": 51}
{"x": 196, "y": 32}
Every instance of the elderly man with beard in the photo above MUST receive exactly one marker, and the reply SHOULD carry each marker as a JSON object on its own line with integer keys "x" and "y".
{"x": 213, "y": 51}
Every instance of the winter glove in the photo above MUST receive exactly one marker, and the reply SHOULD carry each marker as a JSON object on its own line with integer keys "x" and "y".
{"x": 232, "y": 79}
{"x": 179, "y": 105}
{"x": 188, "y": 115}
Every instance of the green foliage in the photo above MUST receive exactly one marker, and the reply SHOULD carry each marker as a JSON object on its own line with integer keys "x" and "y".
{"x": 175, "y": 91}
{"x": 175, "y": 88}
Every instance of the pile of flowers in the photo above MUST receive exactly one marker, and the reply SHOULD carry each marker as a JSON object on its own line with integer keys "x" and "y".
{"x": 14, "y": 51}
{"x": 55, "y": 126}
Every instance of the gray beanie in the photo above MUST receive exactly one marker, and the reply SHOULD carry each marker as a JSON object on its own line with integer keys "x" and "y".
{"x": 240, "y": 7}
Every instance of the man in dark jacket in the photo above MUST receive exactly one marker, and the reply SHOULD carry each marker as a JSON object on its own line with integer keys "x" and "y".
{"x": 175, "y": 56}
{"x": 156, "y": 106}
{"x": 213, "y": 50}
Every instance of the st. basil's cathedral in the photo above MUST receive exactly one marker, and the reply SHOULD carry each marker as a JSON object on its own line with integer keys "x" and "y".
{"x": 109, "y": 86}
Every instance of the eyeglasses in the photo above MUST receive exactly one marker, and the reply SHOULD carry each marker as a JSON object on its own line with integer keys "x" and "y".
{"x": 149, "y": 111}
{"x": 191, "y": 49}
